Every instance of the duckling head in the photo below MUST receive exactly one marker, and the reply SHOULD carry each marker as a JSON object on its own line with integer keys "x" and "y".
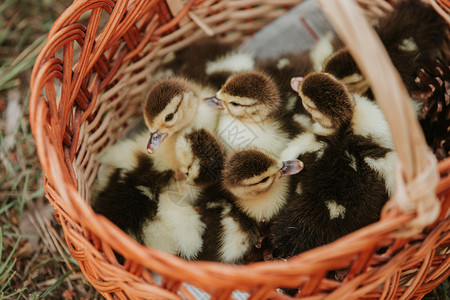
{"x": 170, "y": 105}
{"x": 200, "y": 156}
{"x": 342, "y": 66}
{"x": 250, "y": 96}
{"x": 251, "y": 173}
{"x": 325, "y": 98}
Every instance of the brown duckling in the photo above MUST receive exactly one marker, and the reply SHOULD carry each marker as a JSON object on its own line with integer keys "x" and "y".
{"x": 251, "y": 118}
{"x": 256, "y": 188}
{"x": 171, "y": 106}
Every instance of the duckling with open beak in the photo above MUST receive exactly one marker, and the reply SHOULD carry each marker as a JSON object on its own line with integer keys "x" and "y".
{"x": 349, "y": 168}
{"x": 251, "y": 117}
{"x": 171, "y": 106}
{"x": 256, "y": 188}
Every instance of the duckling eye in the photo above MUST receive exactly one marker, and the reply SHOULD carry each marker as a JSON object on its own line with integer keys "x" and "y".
{"x": 187, "y": 171}
{"x": 169, "y": 117}
{"x": 235, "y": 104}
{"x": 264, "y": 179}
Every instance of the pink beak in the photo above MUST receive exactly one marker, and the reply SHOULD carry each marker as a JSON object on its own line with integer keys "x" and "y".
{"x": 156, "y": 138}
{"x": 291, "y": 167}
{"x": 214, "y": 103}
{"x": 295, "y": 83}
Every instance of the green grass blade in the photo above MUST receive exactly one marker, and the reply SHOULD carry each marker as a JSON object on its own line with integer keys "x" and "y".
{"x": 34, "y": 48}
{"x": 36, "y": 194}
{"x": 9, "y": 296}
{"x": 5, "y": 284}
{"x": 58, "y": 282}
{"x": 5, "y": 269}
{"x": 3, "y": 266}
{"x": 4, "y": 208}
{"x": 24, "y": 61}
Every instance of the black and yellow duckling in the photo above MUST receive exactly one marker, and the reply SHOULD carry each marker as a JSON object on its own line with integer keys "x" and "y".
{"x": 128, "y": 185}
{"x": 256, "y": 188}
{"x": 349, "y": 168}
{"x": 156, "y": 208}
{"x": 177, "y": 227}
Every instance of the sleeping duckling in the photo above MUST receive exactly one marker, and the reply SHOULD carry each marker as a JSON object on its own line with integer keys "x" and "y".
{"x": 255, "y": 190}
{"x": 349, "y": 168}
{"x": 172, "y": 105}
{"x": 156, "y": 208}
{"x": 251, "y": 117}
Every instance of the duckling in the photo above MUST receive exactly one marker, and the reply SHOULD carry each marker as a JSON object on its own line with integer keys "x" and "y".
{"x": 156, "y": 208}
{"x": 342, "y": 66}
{"x": 128, "y": 185}
{"x": 349, "y": 168}
{"x": 255, "y": 190}
{"x": 172, "y": 105}
{"x": 251, "y": 117}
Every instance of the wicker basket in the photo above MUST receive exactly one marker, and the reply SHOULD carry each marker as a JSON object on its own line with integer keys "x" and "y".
{"x": 86, "y": 88}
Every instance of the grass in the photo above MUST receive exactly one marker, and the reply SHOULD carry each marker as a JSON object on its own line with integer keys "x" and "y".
{"x": 34, "y": 260}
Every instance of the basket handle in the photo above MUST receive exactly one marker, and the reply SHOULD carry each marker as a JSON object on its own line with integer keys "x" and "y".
{"x": 417, "y": 174}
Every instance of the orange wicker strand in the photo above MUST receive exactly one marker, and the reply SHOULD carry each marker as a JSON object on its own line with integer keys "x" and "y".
{"x": 86, "y": 89}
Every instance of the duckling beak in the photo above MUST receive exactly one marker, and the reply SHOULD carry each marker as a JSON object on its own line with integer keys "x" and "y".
{"x": 291, "y": 167}
{"x": 295, "y": 83}
{"x": 214, "y": 102}
{"x": 156, "y": 138}
{"x": 180, "y": 175}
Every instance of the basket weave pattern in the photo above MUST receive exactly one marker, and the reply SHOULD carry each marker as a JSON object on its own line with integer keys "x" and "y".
{"x": 86, "y": 89}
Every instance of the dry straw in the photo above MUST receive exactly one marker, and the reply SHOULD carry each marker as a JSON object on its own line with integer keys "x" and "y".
{"x": 86, "y": 91}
